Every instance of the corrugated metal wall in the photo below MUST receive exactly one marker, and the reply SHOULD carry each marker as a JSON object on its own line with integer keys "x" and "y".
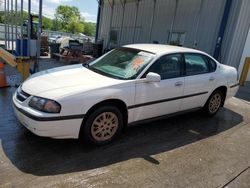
{"x": 186, "y": 19}
{"x": 163, "y": 18}
{"x": 199, "y": 19}
{"x": 234, "y": 42}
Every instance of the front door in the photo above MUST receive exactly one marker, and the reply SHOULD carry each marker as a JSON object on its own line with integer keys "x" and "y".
{"x": 159, "y": 98}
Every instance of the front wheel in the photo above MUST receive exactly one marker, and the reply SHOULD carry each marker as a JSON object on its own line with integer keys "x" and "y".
{"x": 103, "y": 125}
{"x": 213, "y": 103}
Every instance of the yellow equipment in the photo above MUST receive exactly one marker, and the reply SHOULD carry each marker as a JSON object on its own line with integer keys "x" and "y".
{"x": 21, "y": 63}
{"x": 244, "y": 72}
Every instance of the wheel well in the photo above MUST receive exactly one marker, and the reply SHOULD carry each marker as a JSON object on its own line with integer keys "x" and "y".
{"x": 110, "y": 102}
{"x": 223, "y": 89}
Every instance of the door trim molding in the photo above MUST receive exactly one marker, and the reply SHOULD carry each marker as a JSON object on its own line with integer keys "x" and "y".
{"x": 165, "y": 100}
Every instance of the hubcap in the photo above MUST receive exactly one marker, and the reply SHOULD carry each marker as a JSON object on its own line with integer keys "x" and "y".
{"x": 215, "y": 103}
{"x": 104, "y": 126}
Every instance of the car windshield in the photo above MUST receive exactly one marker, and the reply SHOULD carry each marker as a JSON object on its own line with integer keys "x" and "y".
{"x": 122, "y": 63}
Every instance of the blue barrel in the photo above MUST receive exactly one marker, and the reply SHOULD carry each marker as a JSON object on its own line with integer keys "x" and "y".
{"x": 24, "y": 47}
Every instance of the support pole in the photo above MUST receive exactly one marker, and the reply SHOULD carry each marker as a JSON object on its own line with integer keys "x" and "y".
{"x": 16, "y": 20}
{"x": 121, "y": 28}
{"x": 29, "y": 27}
{"x": 98, "y": 20}
{"x": 21, "y": 37}
{"x": 5, "y": 23}
{"x": 222, "y": 29}
{"x": 12, "y": 29}
{"x": 173, "y": 21}
{"x": 136, "y": 17}
{"x": 39, "y": 28}
{"x": 152, "y": 22}
{"x": 8, "y": 28}
{"x": 36, "y": 66}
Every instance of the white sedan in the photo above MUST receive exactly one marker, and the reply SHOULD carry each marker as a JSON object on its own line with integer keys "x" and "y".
{"x": 128, "y": 85}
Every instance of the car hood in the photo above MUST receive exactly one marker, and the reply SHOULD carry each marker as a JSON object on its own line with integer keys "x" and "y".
{"x": 64, "y": 78}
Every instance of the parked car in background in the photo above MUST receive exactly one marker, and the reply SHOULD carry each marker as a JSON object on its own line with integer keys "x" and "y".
{"x": 54, "y": 39}
{"x": 126, "y": 86}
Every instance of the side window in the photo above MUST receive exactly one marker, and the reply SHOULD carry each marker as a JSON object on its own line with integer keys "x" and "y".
{"x": 195, "y": 64}
{"x": 168, "y": 66}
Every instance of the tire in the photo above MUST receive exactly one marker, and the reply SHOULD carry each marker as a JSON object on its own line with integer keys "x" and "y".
{"x": 213, "y": 103}
{"x": 102, "y": 126}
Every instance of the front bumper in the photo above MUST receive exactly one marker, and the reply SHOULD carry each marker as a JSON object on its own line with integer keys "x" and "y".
{"x": 47, "y": 126}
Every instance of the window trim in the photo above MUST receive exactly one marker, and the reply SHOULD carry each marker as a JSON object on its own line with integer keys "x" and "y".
{"x": 210, "y": 66}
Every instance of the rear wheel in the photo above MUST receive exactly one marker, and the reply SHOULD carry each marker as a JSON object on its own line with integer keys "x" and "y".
{"x": 214, "y": 103}
{"x": 103, "y": 125}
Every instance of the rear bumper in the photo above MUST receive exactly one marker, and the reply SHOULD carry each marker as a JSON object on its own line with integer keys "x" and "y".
{"x": 48, "y": 127}
{"x": 232, "y": 90}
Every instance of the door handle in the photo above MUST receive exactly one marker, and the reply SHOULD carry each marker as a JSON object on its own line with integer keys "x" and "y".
{"x": 211, "y": 79}
{"x": 177, "y": 84}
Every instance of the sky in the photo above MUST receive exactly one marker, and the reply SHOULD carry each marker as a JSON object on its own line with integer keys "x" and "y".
{"x": 88, "y": 8}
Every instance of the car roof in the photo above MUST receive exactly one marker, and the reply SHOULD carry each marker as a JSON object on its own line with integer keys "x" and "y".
{"x": 159, "y": 49}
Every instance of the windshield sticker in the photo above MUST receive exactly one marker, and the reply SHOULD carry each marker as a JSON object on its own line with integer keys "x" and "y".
{"x": 137, "y": 63}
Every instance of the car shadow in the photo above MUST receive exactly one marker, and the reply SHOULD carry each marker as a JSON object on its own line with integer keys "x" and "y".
{"x": 43, "y": 156}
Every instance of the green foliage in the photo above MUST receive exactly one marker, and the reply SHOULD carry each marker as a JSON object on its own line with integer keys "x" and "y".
{"x": 56, "y": 25}
{"x": 47, "y": 23}
{"x": 1, "y": 17}
{"x": 74, "y": 26}
{"x": 67, "y": 18}
{"x": 67, "y": 15}
{"x": 89, "y": 28}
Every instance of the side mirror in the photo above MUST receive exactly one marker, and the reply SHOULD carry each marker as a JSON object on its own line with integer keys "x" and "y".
{"x": 153, "y": 77}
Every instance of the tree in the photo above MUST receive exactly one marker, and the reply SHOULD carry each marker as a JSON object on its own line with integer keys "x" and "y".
{"x": 74, "y": 26}
{"x": 67, "y": 18}
{"x": 56, "y": 25}
{"x": 1, "y": 17}
{"x": 47, "y": 23}
{"x": 66, "y": 14}
{"x": 89, "y": 28}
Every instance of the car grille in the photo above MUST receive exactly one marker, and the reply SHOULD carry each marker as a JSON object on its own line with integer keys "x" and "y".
{"x": 21, "y": 95}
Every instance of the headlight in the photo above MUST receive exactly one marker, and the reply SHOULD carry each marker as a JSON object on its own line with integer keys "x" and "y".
{"x": 45, "y": 105}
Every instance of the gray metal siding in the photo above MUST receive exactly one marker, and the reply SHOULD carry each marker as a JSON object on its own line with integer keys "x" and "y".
{"x": 163, "y": 18}
{"x": 186, "y": 20}
{"x": 117, "y": 16}
{"x": 128, "y": 25}
{"x": 233, "y": 53}
{"x": 210, "y": 20}
{"x": 145, "y": 14}
{"x": 230, "y": 29}
{"x": 199, "y": 25}
{"x": 104, "y": 23}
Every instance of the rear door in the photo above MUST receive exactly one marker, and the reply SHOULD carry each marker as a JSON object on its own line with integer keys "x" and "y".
{"x": 199, "y": 80}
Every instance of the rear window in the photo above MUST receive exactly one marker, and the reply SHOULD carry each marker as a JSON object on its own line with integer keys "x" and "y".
{"x": 196, "y": 64}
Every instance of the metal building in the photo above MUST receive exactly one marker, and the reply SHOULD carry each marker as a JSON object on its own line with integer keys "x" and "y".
{"x": 218, "y": 27}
